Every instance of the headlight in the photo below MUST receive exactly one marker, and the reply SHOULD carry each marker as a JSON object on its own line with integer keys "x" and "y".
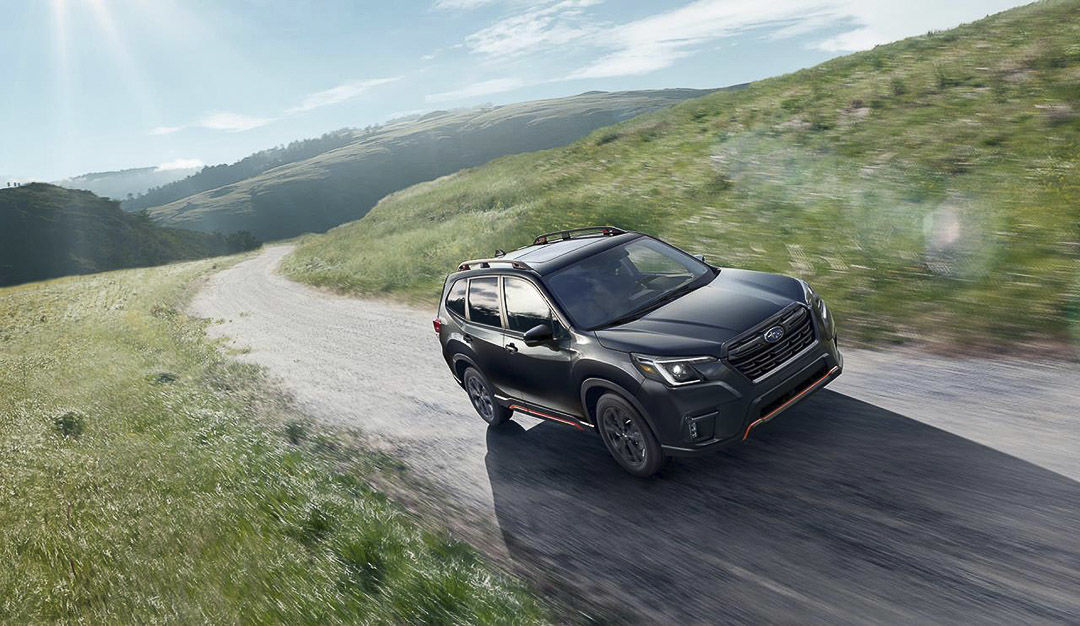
{"x": 674, "y": 371}
{"x": 808, "y": 292}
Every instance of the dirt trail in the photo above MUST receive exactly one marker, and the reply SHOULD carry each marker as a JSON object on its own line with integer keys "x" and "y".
{"x": 915, "y": 488}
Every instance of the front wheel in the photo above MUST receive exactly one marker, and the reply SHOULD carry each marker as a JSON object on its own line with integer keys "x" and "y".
{"x": 628, "y": 437}
{"x": 483, "y": 399}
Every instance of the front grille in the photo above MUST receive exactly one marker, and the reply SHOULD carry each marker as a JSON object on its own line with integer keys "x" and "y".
{"x": 754, "y": 357}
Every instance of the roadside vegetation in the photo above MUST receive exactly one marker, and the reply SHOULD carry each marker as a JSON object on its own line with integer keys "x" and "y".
{"x": 144, "y": 477}
{"x": 928, "y": 188}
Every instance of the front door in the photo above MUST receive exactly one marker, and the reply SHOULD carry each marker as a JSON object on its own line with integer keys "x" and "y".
{"x": 541, "y": 374}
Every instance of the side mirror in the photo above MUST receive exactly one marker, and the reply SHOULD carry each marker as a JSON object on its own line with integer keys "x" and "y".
{"x": 538, "y": 334}
{"x": 701, "y": 257}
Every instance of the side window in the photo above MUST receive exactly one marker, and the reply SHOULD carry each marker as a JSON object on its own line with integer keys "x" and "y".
{"x": 525, "y": 307}
{"x": 455, "y": 300}
{"x": 484, "y": 301}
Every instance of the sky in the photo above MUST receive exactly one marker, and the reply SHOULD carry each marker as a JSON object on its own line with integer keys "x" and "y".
{"x": 97, "y": 85}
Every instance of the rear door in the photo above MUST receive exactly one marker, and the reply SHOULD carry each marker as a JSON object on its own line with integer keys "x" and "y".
{"x": 537, "y": 374}
{"x": 483, "y": 329}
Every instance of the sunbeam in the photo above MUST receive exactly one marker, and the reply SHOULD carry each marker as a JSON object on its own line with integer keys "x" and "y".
{"x": 132, "y": 75}
{"x": 62, "y": 78}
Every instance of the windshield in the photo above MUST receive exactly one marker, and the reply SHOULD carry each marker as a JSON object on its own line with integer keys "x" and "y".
{"x": 624, "y": 281}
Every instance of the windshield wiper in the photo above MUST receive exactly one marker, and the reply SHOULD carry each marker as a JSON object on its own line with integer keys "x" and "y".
{"x": 674, "y": 294}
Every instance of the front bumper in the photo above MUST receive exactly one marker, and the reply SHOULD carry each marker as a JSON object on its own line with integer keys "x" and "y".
{"x": 702, "y": 418}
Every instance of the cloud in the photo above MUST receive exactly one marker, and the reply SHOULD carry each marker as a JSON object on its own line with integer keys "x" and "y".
{"x": 221, "y": 120}
{"x": 462, "y": 4}
{"x": 180, "y": 164}
{"x": 238, "y": 122}
{"x": 165, "y": 130}
{"x": 483, "y": 88}
{"x": 551, "y": 25}
{"x": 655, "y": 42}
{"x": 339, "y": 94}
{"x": 881, "y": 21}
{"x": 232, "y": 122}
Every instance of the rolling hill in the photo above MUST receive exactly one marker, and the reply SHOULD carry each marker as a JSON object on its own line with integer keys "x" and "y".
{"x": 119, "y": 184}
{"x": 48, "y": 231}
{"x": 214, "y": 176}
{"x": 342, "y": 184}
{"x": 929, "y": 188}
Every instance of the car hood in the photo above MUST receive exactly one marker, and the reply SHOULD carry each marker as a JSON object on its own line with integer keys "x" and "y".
{"x": 700, "y": 322}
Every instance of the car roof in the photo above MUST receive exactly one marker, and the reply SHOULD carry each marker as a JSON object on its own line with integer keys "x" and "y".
{"x": 548, "y": 257}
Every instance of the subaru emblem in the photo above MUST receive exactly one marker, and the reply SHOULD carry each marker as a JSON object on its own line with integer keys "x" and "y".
{"x": 774, "y": 334}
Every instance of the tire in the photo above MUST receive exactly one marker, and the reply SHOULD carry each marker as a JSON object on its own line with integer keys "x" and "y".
{"x": 627, "y": 436}
{"x": 482, "y": 398}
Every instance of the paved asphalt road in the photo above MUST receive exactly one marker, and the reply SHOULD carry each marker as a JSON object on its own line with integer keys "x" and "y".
{"x": 914, "y": 489}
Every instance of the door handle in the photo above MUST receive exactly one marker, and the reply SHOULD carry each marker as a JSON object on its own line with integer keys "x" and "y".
{"x": 511, "y": 348}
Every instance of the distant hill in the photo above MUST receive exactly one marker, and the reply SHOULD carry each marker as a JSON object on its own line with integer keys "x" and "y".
{"x": 929, "y": 189}
{"x": 48, "y": 231}
{"x": 215, "y": 176}
{"x": 119, "y": 184}
{"x": 341, "y": 184}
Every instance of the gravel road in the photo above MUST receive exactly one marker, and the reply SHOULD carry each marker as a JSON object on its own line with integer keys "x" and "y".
{"x": 914, "y": 489}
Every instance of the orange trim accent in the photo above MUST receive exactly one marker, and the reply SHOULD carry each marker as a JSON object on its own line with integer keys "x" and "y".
{"x": 518, "y": 407}
{"x": 785, "y": 405}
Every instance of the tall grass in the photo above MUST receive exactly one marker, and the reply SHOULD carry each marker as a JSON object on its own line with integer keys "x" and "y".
{"x": 144, "y": 478}
{"x": 930, "y": 189}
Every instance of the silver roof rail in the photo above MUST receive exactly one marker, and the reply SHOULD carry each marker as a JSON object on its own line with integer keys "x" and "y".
{"x": 486, "y": 263}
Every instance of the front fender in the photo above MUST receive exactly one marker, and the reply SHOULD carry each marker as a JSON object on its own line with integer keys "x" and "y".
{"x": 617, "y": 382}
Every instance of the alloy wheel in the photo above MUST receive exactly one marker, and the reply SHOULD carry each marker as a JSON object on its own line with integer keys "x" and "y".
{"x": 625, "y": 436}
{"x": 481, "y": 398}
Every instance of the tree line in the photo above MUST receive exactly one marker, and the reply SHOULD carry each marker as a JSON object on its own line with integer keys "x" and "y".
{"x": 214, "y": 176}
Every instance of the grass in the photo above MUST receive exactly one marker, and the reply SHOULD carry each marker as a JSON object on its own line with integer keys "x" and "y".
{"x": 929, "y": 189}
{"x": 146, "y": 478}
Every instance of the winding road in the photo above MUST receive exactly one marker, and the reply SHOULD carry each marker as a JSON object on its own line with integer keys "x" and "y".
{"x": 914, "y": 489}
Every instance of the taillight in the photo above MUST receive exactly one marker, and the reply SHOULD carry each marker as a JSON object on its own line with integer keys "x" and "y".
{"x": 437, "y": 323}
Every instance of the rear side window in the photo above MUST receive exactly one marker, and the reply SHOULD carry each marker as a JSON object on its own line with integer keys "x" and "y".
{"x": 525, "y": 307}
{"x": 455, "y": 300}
{"x": 484, "y": 301}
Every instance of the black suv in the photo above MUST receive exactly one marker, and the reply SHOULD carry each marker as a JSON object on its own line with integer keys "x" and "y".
{"x": 661, "y": 352}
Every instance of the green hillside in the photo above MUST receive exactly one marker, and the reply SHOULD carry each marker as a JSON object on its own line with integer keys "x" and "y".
{"x": 342, "y": 184}
{"x": 214, "y": 176}
{"x": 48, "y": 231}
{"x": 928, "y": 188}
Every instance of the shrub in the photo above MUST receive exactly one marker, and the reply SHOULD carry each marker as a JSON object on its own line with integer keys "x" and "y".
{"x": 70, "y": 424}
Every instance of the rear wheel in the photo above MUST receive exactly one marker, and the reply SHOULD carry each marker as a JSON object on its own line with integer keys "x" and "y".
{"x": 483, "y": 398}
{"x": 628, "y": 437}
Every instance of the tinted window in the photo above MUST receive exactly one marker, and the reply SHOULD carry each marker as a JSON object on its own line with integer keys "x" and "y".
{"x": 484, "y": 301}
{"x": 624, "y": 281}
{"x": 455, "y": 300}
{"x": 525, "y": 307}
